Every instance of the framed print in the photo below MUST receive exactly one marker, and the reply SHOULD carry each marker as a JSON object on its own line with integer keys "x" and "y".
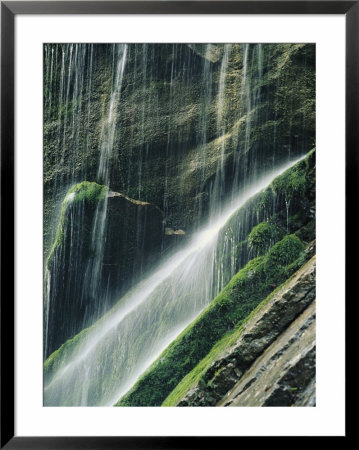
{"x": 174, "y": 200}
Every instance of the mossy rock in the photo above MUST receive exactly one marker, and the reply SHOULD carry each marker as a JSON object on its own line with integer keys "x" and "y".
{"x": 86, "y": 191}
{"x": 283, "y": 252}
{"x": 263, "y": 236}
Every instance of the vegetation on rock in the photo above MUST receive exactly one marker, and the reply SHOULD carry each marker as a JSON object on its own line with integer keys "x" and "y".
{"x": 263, "y": 236}
{"x": 87, "y": 191}
{"x": 229, "y": 309}
{"x": 90, "y": 193}
{"x": 232, "y": 355}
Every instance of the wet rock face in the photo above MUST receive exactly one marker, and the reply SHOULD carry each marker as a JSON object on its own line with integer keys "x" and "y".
{"x": 283, "y": 372}
{"x": 170, "y": 136}
{"x": 273, "y": 361}
{"x": 102, "y": 250}
{"x": 133, "y": 241}
{"x": 308, "y": 396}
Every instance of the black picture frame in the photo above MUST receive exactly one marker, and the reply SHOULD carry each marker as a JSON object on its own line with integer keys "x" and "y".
{"x": 9, "y": 9}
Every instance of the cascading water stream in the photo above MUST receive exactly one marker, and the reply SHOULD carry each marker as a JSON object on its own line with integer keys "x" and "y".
{"x": 88, "y": 278}
{"x": 119, "y": 347}
{"x": 109, "y": 123}
{"x": 246, "y": 163}
{"x": 219, "y": 183}
{"x": 107, "y": 139}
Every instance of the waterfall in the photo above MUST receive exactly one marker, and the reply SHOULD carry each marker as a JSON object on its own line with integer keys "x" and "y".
{"x": 247, "y": 164}
{"x": 72, "y": 272}
{"x": 107, "y": 139}
{"x": 88, "y": 296}
{"x": 171, "y": 126}
{"x": 219, "y": 183}
{"x": 46, "y": 309}
{"x": 168, "y": 143}
{"x": 109, "y": 123}
{"x": 116, "y": 350}
{"x": 250, "y": 94}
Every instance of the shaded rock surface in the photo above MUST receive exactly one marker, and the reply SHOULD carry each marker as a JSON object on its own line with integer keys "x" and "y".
{"x": 281, "y": 376}
{"x": 308, "y": 396}
{"x": 93, "y": 258}
{"x": 264, "y": 329}
{"x": 134, "y": 231}
{"x": 177, "y": 119}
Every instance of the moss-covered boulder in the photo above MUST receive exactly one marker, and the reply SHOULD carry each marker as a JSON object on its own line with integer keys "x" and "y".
{"x": 263, "y": 236}
{"x": 281, "y": 255}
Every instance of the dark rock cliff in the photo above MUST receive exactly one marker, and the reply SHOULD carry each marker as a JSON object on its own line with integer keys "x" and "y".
{"x": 92, "y": 256}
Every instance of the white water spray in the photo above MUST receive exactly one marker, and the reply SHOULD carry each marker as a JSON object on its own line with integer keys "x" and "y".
{"x": 109, "y": 123}
{"x": 116, "y": 350}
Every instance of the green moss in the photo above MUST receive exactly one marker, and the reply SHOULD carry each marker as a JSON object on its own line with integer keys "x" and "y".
{"x": 54, "y": 361}
{"x": 292, "y": 182}
{"x": 263, "y": 236}
{"x": 280, "y": 256}
{"x": 88, "y": 192}
{"x": 233, "y": 304}
{"x": 229, "y": 339}
{"x": 306, "y": 233}
{"x": 265, "y": 201}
